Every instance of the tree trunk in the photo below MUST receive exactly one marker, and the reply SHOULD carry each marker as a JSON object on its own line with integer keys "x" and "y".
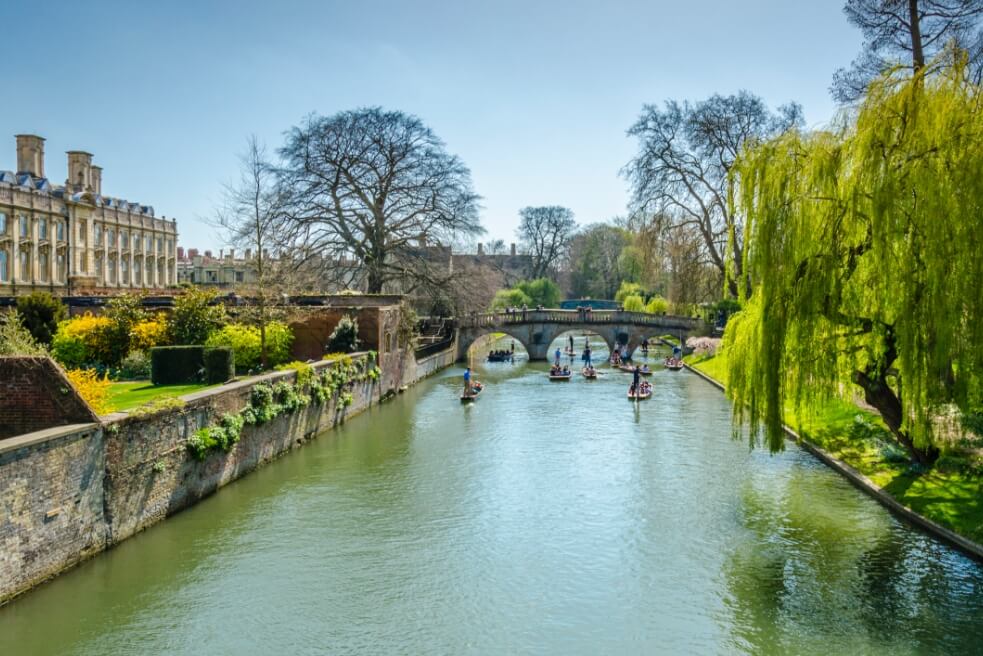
{"x": 917, "y": 54}
{"x": 880, "y": 395}
{"x": 375, "y": 281}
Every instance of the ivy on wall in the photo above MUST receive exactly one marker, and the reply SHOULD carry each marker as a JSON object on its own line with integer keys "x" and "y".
{"x": 267, "y": 401}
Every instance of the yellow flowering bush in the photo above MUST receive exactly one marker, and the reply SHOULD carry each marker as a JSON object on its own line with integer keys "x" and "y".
{"x": 92, "y": 388}
{"x": 149, "y": 333}
{"x": 81, "y": 340}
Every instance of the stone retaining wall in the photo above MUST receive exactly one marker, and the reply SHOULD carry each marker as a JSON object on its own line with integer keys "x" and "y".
{"x": 69, "y": 492}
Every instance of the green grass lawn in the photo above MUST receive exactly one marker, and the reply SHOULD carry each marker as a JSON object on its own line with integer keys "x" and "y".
{"x": 952, "y": 498}
{"x": 132, "y": 394}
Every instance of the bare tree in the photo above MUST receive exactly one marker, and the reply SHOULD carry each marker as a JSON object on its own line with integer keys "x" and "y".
{"x": 375, "y": 196}
{"x": 545, "y": 233}
{"x": 908, "y": 33}
{"x": 252, "y": 216}
{"x": 679, "y": 176}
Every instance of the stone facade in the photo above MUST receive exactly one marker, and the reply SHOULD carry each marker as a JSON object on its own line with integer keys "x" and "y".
{"x": 225, "y": 271}
{"x": 71, "y": 239}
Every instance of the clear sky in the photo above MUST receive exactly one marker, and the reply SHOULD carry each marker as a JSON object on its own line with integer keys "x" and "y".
{"x": 534, "y": 96}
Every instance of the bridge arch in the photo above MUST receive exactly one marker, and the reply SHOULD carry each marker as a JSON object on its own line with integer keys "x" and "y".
{"x": 467, "y": 339}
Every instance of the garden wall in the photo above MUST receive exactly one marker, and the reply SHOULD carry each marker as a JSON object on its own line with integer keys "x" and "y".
{"x": 34, "y": 395}
{"x": 67, "y": 493}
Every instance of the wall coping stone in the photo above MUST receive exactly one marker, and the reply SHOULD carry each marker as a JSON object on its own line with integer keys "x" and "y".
{"x": 44, "y": 435}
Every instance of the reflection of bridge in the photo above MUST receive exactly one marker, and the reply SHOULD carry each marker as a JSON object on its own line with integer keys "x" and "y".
{"x": 536, "y": 329}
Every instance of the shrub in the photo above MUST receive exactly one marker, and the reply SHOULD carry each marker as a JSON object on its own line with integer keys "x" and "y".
{"x": 81, "y": 341}
{"x": 219, "y": 365}
{"x": 174, "y": 365}
{"x": 633, "y": 303}
{"x": 627, "y": 289}
{"x": 93, "y": 389}
{"x": 15, "y": 339}
{"x": 510, "y": 298}
{"x": 542, "y": 291}
{"x": 149, "y": 333}
{"x": 305, "y": 374}
{"x": 245, "y": 343}
{"x": 40, "y": 313}
{"x": 345, "y": 335}
{"x": 135, "y": 366}
{"x": 657, "y": 305}
{"x": 194, "y": 317}
{"x": 123, "y": 313}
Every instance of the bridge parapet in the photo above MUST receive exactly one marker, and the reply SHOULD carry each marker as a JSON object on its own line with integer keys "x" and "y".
{"x": 577, "y": 317}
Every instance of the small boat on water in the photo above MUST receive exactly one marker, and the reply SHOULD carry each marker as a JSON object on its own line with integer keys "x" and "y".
{"x": 640, "y": 395}
{"x": 569, "y": 353}
{"x": 476, "y": 389}
{"x": 560, "y": 373}
{"x": 500, "y": 356}
{"x": 589, "y": 374}
{"x": 672, "y": 364}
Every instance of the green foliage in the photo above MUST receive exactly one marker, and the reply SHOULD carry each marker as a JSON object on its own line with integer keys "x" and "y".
{"x": 174, "y": 365}
{"x": 244, "y": 341}
{"x": 15, "y": 339}
{"x": 631, "y": 264}
{"x": 628, "y": 289}
{"x": 657, "y": 305}
{"x": 633, "y": 303}
{"x": 542, "y": 291}
{"x": 594, "y": 260}
{"x": 305, "y": 373}
{"x": 344, "y": 337}
{"x": 506, "y": 298}
{"x": 194, "y": 317}
{"x": 135, "y": 366}
{"x": 122, "y": 313}
{"x": 40, "y": 313}
{"x": 218, "y": 364}
{"x": 863, "y": 243}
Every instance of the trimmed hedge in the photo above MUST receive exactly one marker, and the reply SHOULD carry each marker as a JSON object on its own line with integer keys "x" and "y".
{"x": 219, "y": 363}
{"x": 176, "y": 365}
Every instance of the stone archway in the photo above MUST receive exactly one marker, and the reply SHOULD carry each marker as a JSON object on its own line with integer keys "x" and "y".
{"x": 467, "y": 338}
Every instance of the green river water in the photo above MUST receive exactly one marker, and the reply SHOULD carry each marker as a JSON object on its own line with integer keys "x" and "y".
{"x": 546, "y": 518}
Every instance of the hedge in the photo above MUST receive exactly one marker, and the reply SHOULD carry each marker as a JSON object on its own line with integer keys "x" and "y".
{"x": 219, "y": 365}
{"x": 176, "y": 365}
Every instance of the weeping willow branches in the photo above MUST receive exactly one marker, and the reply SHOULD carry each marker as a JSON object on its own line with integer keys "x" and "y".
{"x": 864, "y": 243}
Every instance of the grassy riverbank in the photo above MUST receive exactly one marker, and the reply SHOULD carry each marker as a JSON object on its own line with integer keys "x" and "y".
{"x": 948, "y": 493}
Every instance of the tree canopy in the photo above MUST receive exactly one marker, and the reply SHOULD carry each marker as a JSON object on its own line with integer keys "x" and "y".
{"x": 372, "y": 192}
{"x": 545, "y": 234}
{"x": 863, "y": 242}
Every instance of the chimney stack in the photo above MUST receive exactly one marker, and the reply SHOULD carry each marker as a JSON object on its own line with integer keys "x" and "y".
{"x": 513, "y": 249}
{"x": 96, "y": 174}
{"x": 232, "y": 253}
{"x": 30, "y": 154}
{"x": 249, "y": 253}
{"x": 79, "y": 171}
{"x": 481, "y": 248}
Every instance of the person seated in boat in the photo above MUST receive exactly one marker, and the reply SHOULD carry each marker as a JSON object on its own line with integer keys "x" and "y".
{"x": 631, "y": 390}
{"x": 566, "y": 370}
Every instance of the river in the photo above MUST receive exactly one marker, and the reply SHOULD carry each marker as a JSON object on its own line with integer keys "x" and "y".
{"x": 546, "y": 518}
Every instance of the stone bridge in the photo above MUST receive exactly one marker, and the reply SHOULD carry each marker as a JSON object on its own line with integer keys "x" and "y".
{"x": 536, "y": 329}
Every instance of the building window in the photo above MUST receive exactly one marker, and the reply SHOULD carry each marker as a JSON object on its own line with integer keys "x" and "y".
{"x": 239, "y": 276}
{"x": 25, "y": 266}
{"x": 43, "y": 266}
{"x": 60, "y": 264}
{"x": 124, "y": 270}
{"x": 4, "y": 266}
{"x": 137, "y": 274}
{"x": 25, "y": 226}
{"x": 3, "y": 223}
{"x": 136, "y": 241}
{"x": 100, "y": 271}
{"x": 60, "y": 230}
{"x": 42, "y": 228}
{"x": 124, "y": 239}
{"x": 148, "y": 244}
{"x": 111, "y": 237}
{"x": 98, "y": 234}
{"x": 82, "y": 234}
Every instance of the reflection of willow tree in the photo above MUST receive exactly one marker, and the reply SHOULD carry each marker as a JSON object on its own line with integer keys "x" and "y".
{"x": 821, "y": 566}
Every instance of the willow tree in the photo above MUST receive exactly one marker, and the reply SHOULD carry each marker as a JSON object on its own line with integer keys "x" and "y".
{"x": 864, "y": 245}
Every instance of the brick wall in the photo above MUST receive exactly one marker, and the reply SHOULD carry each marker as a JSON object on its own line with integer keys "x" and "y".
{"x": 34, "y": 395}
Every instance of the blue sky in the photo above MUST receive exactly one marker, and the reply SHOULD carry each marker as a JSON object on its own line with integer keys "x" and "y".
{"x": 534, "y": 96}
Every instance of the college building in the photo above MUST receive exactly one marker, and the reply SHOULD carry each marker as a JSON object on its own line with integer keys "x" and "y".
{"x": 71, "y": 239}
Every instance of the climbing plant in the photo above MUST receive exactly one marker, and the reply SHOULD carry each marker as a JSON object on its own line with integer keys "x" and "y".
{"x": 863, "y": 242}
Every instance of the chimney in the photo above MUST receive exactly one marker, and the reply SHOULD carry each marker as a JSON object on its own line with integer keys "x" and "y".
{"x": 249, "y": 253}
{"x": 232, "y": 253}
{"x": 192, "y": 252}
{"x": 180, "y": 252}
{"x": 208, "y": 254}
{"x": 79, "y": 171}
{"x": 481, "y": 248}
{"x": 513, "y": 249}
{"x": 221, "y": 253}
{"x": 30, "y": 154}
{"x": 96, "y": 173}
